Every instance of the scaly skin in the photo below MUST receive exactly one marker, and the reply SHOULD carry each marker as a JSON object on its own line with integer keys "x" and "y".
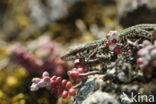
{"x": 82, "y": 51}
{"x": 89, "y": 49}
{"x": 141, "y": 30}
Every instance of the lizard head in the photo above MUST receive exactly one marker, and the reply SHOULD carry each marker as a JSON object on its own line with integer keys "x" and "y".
{"x": 75, "y": 52}
{"x": 68, "y": 56}
{"x": 81, "y": 51}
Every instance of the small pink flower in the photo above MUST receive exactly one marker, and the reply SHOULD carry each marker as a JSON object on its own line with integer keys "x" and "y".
{"x": 45, "y": 74}
{"x": 146, "y": 43}
{"x": 41, "y": 83}
{"x": 36, "y": 80}
{"x": 34, "y": 87}
{"x": 142, "y": 52}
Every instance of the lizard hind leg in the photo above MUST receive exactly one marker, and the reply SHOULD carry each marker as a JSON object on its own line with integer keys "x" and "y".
{"x": 92, "y": 53}
{"x": 135, "y": 34}
{"x": 105, "y": 57}
{"x": 144, "y": 34}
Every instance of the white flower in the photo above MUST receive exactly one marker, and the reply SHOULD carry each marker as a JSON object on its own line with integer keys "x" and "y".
{"x": 34, "y": 87}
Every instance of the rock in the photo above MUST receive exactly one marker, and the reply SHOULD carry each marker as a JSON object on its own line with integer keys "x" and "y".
{"x": 92, "y": 84}
{"x": 133, "y": 12}
{"x": 101, "y": 98}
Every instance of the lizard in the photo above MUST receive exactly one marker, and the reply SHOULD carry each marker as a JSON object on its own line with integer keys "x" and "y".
{"x": 89, "y": 49}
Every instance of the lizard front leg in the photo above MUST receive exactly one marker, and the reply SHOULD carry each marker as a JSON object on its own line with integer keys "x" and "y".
{"x": 105, "y": 57}
{"x": 101, "y": 57}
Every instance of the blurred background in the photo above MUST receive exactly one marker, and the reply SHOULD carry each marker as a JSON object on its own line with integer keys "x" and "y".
{"x": 35, "y": 33}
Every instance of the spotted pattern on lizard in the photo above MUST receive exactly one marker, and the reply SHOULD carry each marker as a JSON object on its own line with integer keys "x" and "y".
{"x": 89, "y": 49}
